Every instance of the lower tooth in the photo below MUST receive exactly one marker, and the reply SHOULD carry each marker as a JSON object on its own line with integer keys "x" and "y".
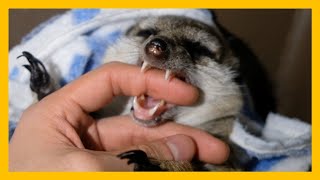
{"x": 136, "y": 104}
{"x": 142, "y": 97}
{"x": 154, "y": 109}
{"x": 162, "y": 102}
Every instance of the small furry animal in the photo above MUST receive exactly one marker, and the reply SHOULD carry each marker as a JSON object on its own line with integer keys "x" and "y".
{"x": 207, "y": 57}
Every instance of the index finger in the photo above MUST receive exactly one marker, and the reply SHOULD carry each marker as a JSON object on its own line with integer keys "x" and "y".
{"x": 97, "y": 88}
{"x": 117, "y": 133}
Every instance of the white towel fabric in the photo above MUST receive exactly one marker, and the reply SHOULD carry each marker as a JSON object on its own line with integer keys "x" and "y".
{"x": 284, "y": 144}
{"x": 75, "y": 42}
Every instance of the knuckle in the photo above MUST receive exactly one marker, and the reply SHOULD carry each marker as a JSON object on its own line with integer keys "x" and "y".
{"x": 82, "y": 161}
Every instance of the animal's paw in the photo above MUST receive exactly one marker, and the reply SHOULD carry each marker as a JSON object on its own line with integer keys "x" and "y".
{"x": 140, "y": 160}
{"x": 40, "y": 82}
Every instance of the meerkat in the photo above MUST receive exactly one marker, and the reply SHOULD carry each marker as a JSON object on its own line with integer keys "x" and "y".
{"x": 192, "y": 51}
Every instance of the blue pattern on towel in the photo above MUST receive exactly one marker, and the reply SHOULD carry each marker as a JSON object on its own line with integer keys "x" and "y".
{"x": 14, "y": 73}
{"x": 76, "y": 69}
{"x": 99, "y": 45}
{"x": 267, "y": 164}
{"x": 89, "y": 34}
{"x": 82, "y": 15}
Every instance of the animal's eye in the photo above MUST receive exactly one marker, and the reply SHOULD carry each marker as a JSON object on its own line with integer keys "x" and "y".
{"x": 196, "y": 50}
{"x": 146, "y": 33}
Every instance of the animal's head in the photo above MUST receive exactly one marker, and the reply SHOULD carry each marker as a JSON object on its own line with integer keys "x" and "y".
{"x": 190, "y": 50}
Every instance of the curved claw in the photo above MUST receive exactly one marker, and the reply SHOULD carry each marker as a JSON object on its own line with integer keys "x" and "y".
{"x": 140, "y": 160}
{"x": 39, "y": 79}
{"x": 36, "y": 64}
{"x": 146, "y": 123}
{"x": 26, "y": 55}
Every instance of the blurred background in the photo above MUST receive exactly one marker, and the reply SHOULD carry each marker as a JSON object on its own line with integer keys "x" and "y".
{"x": 281, "y": 38}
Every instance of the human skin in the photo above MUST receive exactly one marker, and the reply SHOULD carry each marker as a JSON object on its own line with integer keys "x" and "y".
{"x": 58, "y": 134}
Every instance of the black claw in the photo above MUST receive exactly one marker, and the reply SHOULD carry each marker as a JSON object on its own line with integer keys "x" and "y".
{"x": 140, "y": 160}
{"x": 39, "y": 79}
{"x": 26, "y": 54}
{"x": 27, "y": 67}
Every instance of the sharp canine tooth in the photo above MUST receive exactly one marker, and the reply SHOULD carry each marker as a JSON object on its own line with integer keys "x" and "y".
{"x": 162, "y": 102}
{"x": 154, "y": 109}
{"x": 168, "y": 74}
{"x": 142, "y": 97}
{"x": 136, "y": 104}
{"x": 145, "y": 66}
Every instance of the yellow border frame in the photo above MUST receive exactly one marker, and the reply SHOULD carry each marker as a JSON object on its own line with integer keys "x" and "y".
{"x": 255, "y": 4}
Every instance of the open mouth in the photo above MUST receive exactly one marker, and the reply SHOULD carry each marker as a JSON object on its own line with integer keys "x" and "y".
{"x": 146, "y": 110}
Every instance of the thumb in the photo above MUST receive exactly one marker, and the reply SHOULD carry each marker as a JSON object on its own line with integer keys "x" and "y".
{"x": 177, "y": 147}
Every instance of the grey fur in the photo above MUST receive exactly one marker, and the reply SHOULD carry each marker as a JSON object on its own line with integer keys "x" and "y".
{"x": 212, "y": 72}
{"x": 214, "y": 76}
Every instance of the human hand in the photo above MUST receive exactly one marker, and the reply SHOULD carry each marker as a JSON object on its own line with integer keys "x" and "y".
{"x": 58, "y": 134}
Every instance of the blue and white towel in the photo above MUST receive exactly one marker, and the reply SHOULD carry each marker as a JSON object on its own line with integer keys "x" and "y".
{"x": 75, "y": 42}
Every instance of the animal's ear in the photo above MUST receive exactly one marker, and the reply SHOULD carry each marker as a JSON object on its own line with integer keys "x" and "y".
{"x": 251, "y": 72}
{"x": 213, "y": 15}
{"x": 222, "y": 30}
{"x": 133, "y": 30}
{"x": 227, "y": 56}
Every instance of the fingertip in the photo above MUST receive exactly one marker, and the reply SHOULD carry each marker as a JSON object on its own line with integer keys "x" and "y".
{"x": 213, "y": 151}
{"x": 194, "y": 95}
{"x": 182, "y": 147}
{"x": 220, "y": 154}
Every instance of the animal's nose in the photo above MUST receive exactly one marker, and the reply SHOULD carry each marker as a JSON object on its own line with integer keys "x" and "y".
{"x": 157, "y": 48}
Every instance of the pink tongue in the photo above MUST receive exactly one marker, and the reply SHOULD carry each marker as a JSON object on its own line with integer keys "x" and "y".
{"x": 150, "y": 103}
{"x": 143, "y": 112}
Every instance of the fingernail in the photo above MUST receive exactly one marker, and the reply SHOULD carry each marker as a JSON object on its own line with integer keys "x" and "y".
{"x": 181, "y": 146}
